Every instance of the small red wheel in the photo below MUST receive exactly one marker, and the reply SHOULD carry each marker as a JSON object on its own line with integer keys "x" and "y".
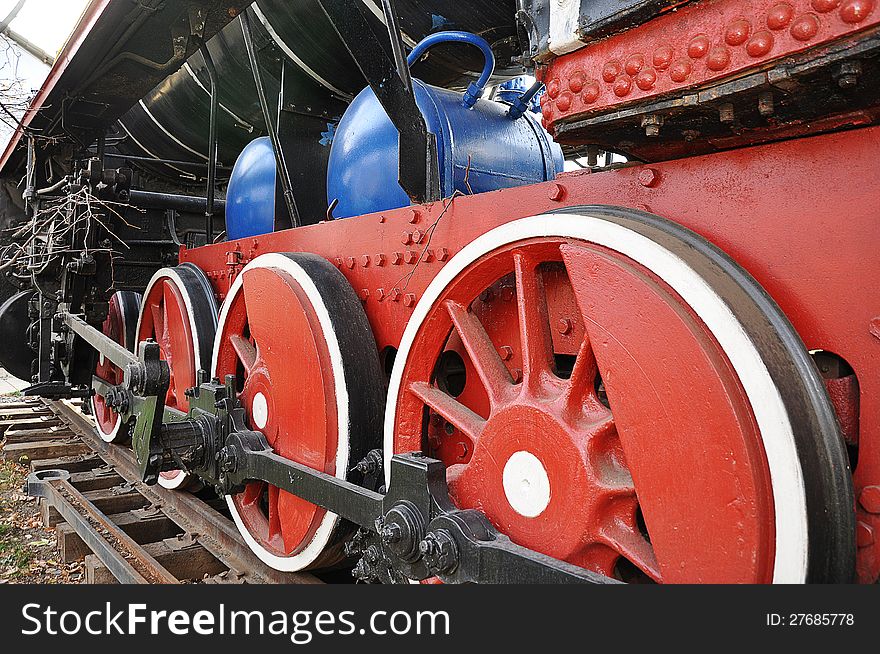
{"x": 179, "y": 312}
{"x": 295, "y": 336}
{"x": 120, "y": 325}
{"x": 611, "y": 390}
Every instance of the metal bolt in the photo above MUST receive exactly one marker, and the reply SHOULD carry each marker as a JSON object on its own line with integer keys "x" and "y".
{"x": 380, "y": 294}
{"x": 864, "y": 534}
{"x": 407, "y": 238}
{"x": 506, "y": 352}
{"x": 517, "y": 375}
{"x": 649, "y": 177}
{"x": 564, "y": 326}
{"x": 380, "y": 259}
{"x": 413, "y": 216}
{"x": 350, "y": 262}
{"x": 409, "y": 300}
{"x": 765, "y": 104}
{"x": 391, "y": 534}
{"x": 442, "y": 254}
{"x": 848, "y": 73}
{"x": 410, "y": 257}
{"x": 365, "y": 260}
{"x": 869, "y": 498}
{"x": 365, "y": 294}
{"x": 726, "y": 113}
{"x": 418, "y": 236}
{"x": 394, "y": 295}
{"x": 396, "y": 258}
{"x": 652, "y": 123}
{"x": 556, "y": 192}
{"x": 439, "y": 551}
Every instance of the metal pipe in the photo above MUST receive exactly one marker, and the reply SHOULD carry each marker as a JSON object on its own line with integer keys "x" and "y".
{"x": 185, "y": 203}
{"x": 168, "y": 162}
{"x": 212, "y": 142}
{"x": 280, "y": 163}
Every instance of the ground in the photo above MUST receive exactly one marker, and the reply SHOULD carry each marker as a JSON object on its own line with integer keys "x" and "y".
{"x": 28, "y": 553}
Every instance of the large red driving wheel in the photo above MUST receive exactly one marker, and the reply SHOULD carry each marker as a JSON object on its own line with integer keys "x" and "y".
{"x": 179, "y": 311}
{"x": 295, "y": 336}
{"x": 611, "y": 390}
{"x": 120, "y": 325}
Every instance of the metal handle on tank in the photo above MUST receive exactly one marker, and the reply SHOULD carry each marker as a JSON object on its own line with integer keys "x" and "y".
{"x": 475, "y": 89}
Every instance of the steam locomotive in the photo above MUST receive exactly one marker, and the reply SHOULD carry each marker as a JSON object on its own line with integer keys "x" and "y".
{"x": 491, "y": 291}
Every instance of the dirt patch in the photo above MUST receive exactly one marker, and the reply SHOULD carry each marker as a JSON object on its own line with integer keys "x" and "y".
{"x": 28, "y": 551}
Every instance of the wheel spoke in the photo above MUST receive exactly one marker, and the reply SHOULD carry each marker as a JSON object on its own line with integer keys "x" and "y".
{"x": 633, "y": 546}
{"x": 274, "y": 515}
{"x": 468, "y": 422}
{"x": 581, "y": 384}
{"x": 245, "y": 351}
{"x": 485, "y": 358}
{"x": 253, "y": 492}
{"x": 534, "y": 322}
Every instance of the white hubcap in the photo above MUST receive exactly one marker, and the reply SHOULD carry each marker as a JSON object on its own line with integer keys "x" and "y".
{"x": 260, "y": 411}
{"x": 526, "y": 484}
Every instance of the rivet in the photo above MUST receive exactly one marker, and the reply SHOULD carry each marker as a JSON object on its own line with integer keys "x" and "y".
{"x": 864, "y": 534}
{"x": 737, "y": 32}
{"x": 350, "y": 262}
{"x": 553, "y": 88}
{"x": 442, "y": 254}
{"x": 680, "y": 70}
{"x": 556, "y": 192}
{"x": 718, "y": 58}
{"x": 410, "y": 257}
{"x": 564, "y": 326}
{"x": 646, "y": 79}
{"x": 414, "y": 216}
{"x": 805, "y": 27}
{"x": 396, "y": 258}
{"x": 634, "y": 64}
{"x": 380, "y": 259}
{"x": 726, "y": 113}
{"x": 576, "y": 81}
{"x": 365, "y": 260}
{"x": 869, "y": 498}
{"x": 622, "y": 86}
{"x": 564, "y": 101}
{"x": 409, "y": 300}
{"x": 662, "y": 57}
{"x": 506, "y": 352}
{"x": 855, "y": 11}
{"x": 649, "y": 177}
{"x": 591, "y": 92}
{"x": 760, "y": 44}
{"x": 611, "y": 70}
{"x": 824, "y": 6}
{"x": 407, "y": 238}
{"x": 780, "y": 16}
{"x": 698, "y": 47}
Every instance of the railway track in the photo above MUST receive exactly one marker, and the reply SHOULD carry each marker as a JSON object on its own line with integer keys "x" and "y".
{"x": 127, "y": 531}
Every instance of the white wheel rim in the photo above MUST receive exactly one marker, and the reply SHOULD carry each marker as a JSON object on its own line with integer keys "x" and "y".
{"x": 309, "y": 554}
{"x": 109, "y": 437}
{"x": 786, "y": 475}
{"x": 179, "y": 480}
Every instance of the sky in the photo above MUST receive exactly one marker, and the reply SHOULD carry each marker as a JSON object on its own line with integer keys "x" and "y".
{"x": 47, "y": 24}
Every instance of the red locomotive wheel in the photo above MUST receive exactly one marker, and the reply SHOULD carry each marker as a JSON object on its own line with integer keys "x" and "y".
{"x": 295, "y": 335}
{"x": 606, "y": 396}
{"x": 120, "y": 325}
{"x": 179, "y": 312}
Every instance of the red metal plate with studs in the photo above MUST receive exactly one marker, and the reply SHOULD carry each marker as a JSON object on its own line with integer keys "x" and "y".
{"x": 697, "y": 44}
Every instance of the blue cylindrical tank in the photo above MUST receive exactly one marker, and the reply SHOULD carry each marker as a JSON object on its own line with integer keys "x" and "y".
{"x": 480, "y": 149}
{"x": 250, "y": 197}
